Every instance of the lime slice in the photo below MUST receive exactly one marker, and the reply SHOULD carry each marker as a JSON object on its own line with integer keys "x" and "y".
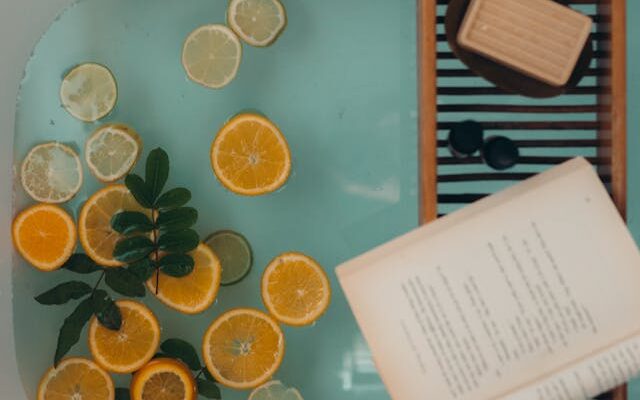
{"x": 112, "y": 151}
{"x": 51, "y": 173}
{"x": 211, "y": 56}
{"x": 257, "y": 22}
{"x": 234, "y": 253}
{"x": 275, "y": 390}
{"x": 89, "y": 92}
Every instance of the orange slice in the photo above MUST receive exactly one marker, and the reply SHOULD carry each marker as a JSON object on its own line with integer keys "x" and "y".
{"x": 76, "y": 378}
{"x": 94, "y": 224}
{"x": 128, "y": 349}
{"x": 163, "y": 379}
{"x": 250, "y": 156}
{"x": 243, "y": 348}
{"x": 195, "y": 292}
{"x": 295, "y": 289}
{"x": 45, "y": 235}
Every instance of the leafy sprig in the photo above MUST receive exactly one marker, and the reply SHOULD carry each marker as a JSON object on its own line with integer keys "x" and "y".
{"x": 95, "y": 302}
{"x": 160, "y": 239}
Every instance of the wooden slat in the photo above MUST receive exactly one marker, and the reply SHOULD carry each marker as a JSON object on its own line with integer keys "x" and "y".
{"x": 467, "y": 73}
{"x": 530, "y": 160}
{"x": 461, "y": 198}
{"x": 494, "y": 176}
{"x": 448, "y": 55}
{"x": 508, "y": 108}
{"x": 504, "y": 176}
{"x": 595, "y": 18}
{"x": 546, "y": 143}
{"x": 492, "y": 90}
{"x": 428, "y": 110}
{"x": 596, "y": 36}
{"x": 530, "y": 125}
{"x": 445, "y": 2}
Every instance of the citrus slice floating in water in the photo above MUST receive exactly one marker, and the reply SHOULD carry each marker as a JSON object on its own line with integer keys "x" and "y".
{"x": 211, "y": 56}
{"x": 234, "y": 253}
{"x": 243, "y": 348}
{"x": 112, "y": 151}
{"x": 275, "y": 390}
{"x": 45, "y": 236}
{"x": 94, "y": 224}
{"x": 257, "y": 22}
{"x": 194, "y": 293}
{"x": 89, "y": 92}
{"x": 163, "y": 379}
{"x": 250, "y": 156}
{"x": 76, "y": 378}
{"x": 295, "y": 289}
{"x": 51, "y": 173}
{"x": 128, "y": 349}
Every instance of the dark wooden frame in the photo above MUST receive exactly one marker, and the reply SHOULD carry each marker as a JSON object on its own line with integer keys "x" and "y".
{"x": 611, "y": 72}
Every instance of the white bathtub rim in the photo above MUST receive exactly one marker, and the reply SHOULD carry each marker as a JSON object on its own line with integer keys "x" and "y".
{"x": 22, "y": 23}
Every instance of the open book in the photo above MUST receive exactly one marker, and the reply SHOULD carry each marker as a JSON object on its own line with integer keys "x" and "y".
{"x": 529, "y": 294}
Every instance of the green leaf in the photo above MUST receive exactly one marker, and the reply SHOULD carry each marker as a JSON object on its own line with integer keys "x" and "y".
{"x": 128, "y": 222}
{"x": 72, "y": 328}
{"x": 133, "y": 249}
{"x": 142, "y": 269}
{"x": 208, "y": 375}
{"x": 177, "y": 219}
{"x": 208, "y": 389}
{"x": 157, "y": 172}
{"x": 174, "y": 198}
{"x": 81, "y": 264}
{"x": 122, "y": 394}
{"x": 182, "y": 350}
{"x": 179, "y": 242}
{"x": 106, "y": 311}
{"x": 125, "y": 282}
{"x": 139, "y": 190}
{"x": 176, "y": 265}
{"x": 64, "y": 293}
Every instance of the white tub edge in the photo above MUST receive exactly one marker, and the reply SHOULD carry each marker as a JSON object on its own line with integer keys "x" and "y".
{"x": 22, "y": 22}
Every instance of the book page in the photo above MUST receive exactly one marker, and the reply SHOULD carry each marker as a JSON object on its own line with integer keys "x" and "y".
{"x": 502, "y": 295}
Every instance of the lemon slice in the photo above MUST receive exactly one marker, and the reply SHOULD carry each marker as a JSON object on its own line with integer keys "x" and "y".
{"x": 89, "y": 92}
{"x": 112, "y": 151}
{"x": 275, "y": 390}
{"x": 76, "y": 378}
{"x": 51, "y": 173}
{"x": 257, "y": 22}
{"x": 211, "y": 56}
{"x": 295, "y": 289}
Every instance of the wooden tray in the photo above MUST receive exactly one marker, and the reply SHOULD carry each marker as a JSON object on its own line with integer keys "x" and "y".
{"x": 590, "y": 120}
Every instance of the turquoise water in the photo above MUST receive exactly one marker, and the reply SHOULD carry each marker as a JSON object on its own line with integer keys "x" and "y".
{"x": 342, "y": 90}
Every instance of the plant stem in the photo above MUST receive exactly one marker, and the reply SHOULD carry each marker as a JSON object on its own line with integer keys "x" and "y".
{"x": 156, "y": 256}
{"x": 200, "y": 373}
{"x": 95, "y": 287}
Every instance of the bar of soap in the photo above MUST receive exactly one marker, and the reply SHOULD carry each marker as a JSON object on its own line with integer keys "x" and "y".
{"x": 539, "y": 38}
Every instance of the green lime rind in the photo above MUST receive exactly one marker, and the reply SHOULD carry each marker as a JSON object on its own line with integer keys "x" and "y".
{"x": 234, "y": 253}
